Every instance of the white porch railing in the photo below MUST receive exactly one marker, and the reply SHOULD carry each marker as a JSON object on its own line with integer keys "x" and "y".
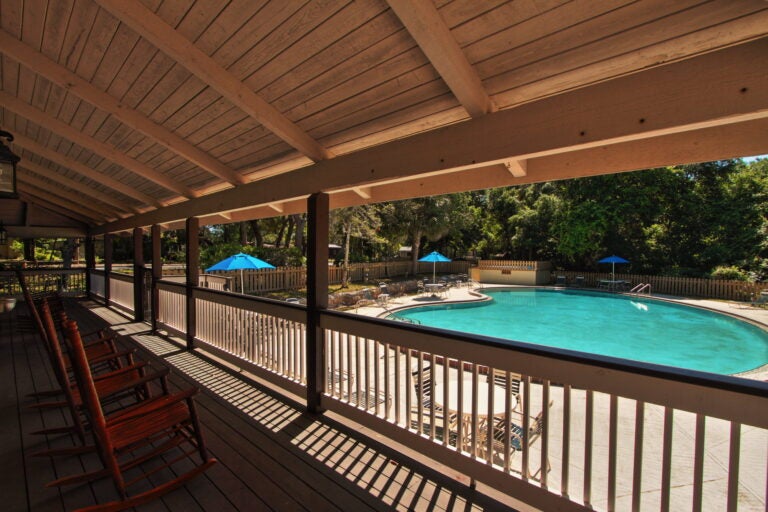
{"x": 97, "y": 283}
{"x": 172, "y": 311}
{"x": 617, "y": 435}
{"x": 121, "y": 291}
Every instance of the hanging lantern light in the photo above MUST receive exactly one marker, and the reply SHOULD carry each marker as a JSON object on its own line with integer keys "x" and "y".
{"x": 3, "y": 234}
{"x": 8, "y": 161}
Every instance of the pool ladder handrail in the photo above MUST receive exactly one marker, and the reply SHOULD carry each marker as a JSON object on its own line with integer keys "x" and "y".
{"x": 640, "y": 288}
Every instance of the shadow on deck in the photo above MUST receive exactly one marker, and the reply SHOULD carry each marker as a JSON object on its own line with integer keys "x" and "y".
{"x": 272, "y": 455}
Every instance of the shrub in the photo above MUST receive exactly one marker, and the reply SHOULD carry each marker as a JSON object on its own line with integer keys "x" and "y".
{"x": 729, "y": 273}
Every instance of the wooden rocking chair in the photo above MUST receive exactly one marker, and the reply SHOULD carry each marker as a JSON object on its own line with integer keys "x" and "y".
{"x": 166, "y": 425}
{"x": 125, "y": 382}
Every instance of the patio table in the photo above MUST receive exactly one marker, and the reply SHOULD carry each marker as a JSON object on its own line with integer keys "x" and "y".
{"x": 482, "y": 397}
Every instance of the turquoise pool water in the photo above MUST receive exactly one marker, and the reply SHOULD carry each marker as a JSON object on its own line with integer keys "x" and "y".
{"x": 612, "y": 325}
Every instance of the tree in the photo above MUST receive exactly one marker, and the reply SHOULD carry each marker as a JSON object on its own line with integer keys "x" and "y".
{"x": 357, "y": 221}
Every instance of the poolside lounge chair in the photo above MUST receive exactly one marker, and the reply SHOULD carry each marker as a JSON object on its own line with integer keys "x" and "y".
{"x": 561, "y": 281}
{"x": 516, "y": 437}
{"x": 579, "y": 282}
{"x": 760, "y": 299}
{"x": 501, "y": 378}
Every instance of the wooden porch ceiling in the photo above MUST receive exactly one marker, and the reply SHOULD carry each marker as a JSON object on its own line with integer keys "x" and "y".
{"x": 129, "y": 113}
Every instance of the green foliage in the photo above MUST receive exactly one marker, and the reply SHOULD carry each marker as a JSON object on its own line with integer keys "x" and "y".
{"x": 729, "y": 273}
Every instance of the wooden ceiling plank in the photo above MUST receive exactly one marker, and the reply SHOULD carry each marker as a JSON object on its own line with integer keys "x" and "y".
{"x": 151, "y": 27}
{"x": 82, "y": 169}
{"x": 91, "y": 216}
{"x": 547, "y": 77}
{"x": 681, "y": 97}
{"x": 94, "y": 206}
{"x": 54, "y": 176}
{"x": 105, "y": 150}
{"x": 433, "y": 36}
{"x": 30, "y": 197}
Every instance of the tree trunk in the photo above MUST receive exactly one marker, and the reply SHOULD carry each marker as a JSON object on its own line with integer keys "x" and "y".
{"x": 289, "y": 234}
{"x": 279, "y": 238}
{"x": 243, "y": 233}
{"x": 257, "y": 236}
{"x": 300, "y": 221}
{"x": 415, "y": 246}
{"x": 345, "y": 272}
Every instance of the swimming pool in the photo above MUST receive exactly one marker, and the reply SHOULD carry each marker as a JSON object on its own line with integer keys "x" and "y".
{"x": 613, "y": 325}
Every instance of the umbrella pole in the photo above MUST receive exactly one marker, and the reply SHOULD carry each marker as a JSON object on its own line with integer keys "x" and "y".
{"x": 434, "y": 279}
{"x": 242, "y": 284}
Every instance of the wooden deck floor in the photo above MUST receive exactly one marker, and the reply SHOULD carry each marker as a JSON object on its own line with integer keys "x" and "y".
{"x": 272, "y": 455}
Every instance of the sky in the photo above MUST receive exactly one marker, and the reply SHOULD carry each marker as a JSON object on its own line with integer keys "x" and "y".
{"x": 753, "y": 158}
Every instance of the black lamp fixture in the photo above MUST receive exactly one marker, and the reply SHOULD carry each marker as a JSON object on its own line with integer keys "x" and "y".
{"x": 8, "y": 161}
{"x": 3, "y": 234}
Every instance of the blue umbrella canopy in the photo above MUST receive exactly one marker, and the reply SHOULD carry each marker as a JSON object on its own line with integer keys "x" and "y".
{"x": 434, "y": 257}
{"x": 240, "y": 261}
{"x": 613, "y": 260}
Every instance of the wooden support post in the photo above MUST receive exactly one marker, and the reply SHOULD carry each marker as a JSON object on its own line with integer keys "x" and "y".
{"x": 193, "y": 276}
{"x": 157, "y": 274}
{"x": 138, "y": 274}
{"x": 317, "y": 298}
{"x": 107, "y": 265}
{"x": 90, "y": 263}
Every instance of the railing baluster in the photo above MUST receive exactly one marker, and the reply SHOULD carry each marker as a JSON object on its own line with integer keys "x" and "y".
{"x": 666, "y": 459}
{"x": 588, "y": 449}
{"x": 733, "y": 467}
{"x": 698, "y": 462}
{"x": 544, "y": 435}
{"x": 612, "y": 424}
{"x": 564, "y": 483}
{"x": 637, "y": 469}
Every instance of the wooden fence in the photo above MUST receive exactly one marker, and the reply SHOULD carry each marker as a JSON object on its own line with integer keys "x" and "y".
{"x": 293, "y": 278}
{"x": 681, "y": 286}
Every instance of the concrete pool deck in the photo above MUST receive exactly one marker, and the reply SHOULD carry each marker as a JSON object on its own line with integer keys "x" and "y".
{"x": 753, "y": 445}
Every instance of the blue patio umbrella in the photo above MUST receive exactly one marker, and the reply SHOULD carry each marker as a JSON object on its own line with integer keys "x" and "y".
{"x": 434, "y": 257}
{"x": 240, "y": 261}
{"x": 613, "y": 260}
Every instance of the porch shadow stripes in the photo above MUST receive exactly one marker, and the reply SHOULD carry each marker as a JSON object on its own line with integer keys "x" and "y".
{"x": 325, "y": 455}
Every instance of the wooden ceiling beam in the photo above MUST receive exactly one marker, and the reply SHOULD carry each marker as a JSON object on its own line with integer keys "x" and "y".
{"x": 64, "y": 78}
{"x": 364, "y": 192}
{"x": 82, "y": 169}
{"x": 46, "y": 231}
{"x": 681, "y": 97}
{"x": 82, "y": 213}
{"x": 152, "y": 28}
{"x": 94, "y": 206}
{"x": 427, "y": 27}
{"x": 100, "y": 148}
{"x": 76, "y": 185}
{"x": 29, "y": 197}
{"x": 517, "y": 168}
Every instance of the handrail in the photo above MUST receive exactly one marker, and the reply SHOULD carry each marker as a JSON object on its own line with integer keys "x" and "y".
{"x": 640, "y": 288}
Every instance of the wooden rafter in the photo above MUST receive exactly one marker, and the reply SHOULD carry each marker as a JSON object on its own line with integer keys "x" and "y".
{"x": 28, "y": 196}
{"x": 111, "y": 153}
{"x": 433, "y": 36}
{"x": 68, "y": 80}
{"x": 614, "y": 112}
{"x": 73, "y": 165}
{"x": 518, "y": 168}
{"x": 93, "y": 206}
{"x": 75, "y": 185}
{"x": 151, "y": 27}
{"x": 82, "y": 214}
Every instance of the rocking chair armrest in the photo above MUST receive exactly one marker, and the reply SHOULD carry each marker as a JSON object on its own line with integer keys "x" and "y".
{"x": 135, "y": 383}
{"x": 127, "y": 354}
{"x": 120, "y": 371}
{"x": 150, "y": 406}
{"x": 109, "y": 338}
